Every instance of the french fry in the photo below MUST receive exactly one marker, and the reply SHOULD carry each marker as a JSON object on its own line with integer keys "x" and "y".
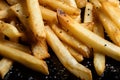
{"x": 3, "y": 5}
{"x": 89, "y": 37}
{"x": 12, "y": 2}
{"x": 88, "y": 16}
{"x": 5, "y": 65}
{"x": 81, "y": 3}
{"x": 20, "y": 56}
{"x": 96, "y": 3}
{"x": 88, "y": 25}
{"x": 108, "y": 8}
{"x": 48, "y": 15}
{"x": 65, "y": 57}
{"x": 37, "y": 27}
{"x": 6, "y": 13}
{"x": 70, "y": 2}
{"x": 74, "y": 53}
{"x": 35, "y": 19}
{"x": 16, "y": 46}
{"x": 60, "y": 5}
{"x": 65, "y": 37}
{"x": 10, "y": 31}
{"x": 99, "y": 59}
{"x": 110, "y": 27}
{"x": 37, "y": 47}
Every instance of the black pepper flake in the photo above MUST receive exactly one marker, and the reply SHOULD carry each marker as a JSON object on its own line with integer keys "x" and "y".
{"x": 17, "y": 10}
{"x": 105, "y": 44}
{"x": 88, "y": 9}
{"x": 88, "y": 14}
{"x": 60, "y": 31}
{"x": 67, "y": 30}
{"x": 27, "y": 17}
{"x": 67, "y": 20}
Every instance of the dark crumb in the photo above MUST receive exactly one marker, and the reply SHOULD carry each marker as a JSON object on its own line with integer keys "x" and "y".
{"x": 60, "y": 31}
{"x": 17, "y": 10}
{"x": 105, "y": 44}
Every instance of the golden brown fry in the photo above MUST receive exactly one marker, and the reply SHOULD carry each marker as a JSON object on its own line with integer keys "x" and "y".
{"x": 37, "y": 27}
{"x": 88, "y": 25}
{"x": 38, "y": 46}
{"x": 15, "y": 45}
{"x": 5, "y": 65}
{"x": 96, "y": 3}
{"x": 99, "y": 59}
{"x": 48, "y": 15}
{"x": 74, "y": 53}
{"x": 88, "y": 16}
{"x": 10, "y": 31}
{"x": 35, "y": 19}
{"x": 12, "y": 2}
{"x": 89, "y": 37}
{"x": 65, "y": 37}
{"x": 60, "y": 5}
{"x": 111, "y": 10}
{"x": 81, "y": 3}
{"x": 65, "y": 57}
{"x": 70, "y": 2}
{"x": 6, "y": 13}
{"x": 3, "y": 5}
{"x": 110, "y": 27}
{"x": 20, "y": 56}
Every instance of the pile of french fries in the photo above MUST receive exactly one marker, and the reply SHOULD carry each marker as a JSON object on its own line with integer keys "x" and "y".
{"x": 28, "y": 26}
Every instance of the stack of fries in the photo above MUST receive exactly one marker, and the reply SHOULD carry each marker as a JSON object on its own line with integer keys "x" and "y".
{"x": 28, "y": 26}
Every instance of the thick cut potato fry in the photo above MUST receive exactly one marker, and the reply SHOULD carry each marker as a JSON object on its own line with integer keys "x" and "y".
{"x": 6, "y": 13}
{"x": 74, "y": 53}
{"x": 38, "y": 46}
{"x": 48, "y": 15}
{"x": 60, "y": 5}
{"x": 12, "y": 2}
{"x": 24, "y": 58}
{"x": 70, "y": 2}
{"x": 10, "y": 31}
{"x": 65, "y": 37}
{"x": 96, "y": 3}
{"x": 81, "y": 3}
{"x": 111, "y": 10}
{"x": 111, "y": 28}
{"x": 88, "y": 37}
{"x": 99, "y": 59}
{"x": 35, "y": 19}
{"x": 88, "y": 16}
{"x": 5, "y": 65}
{"x": 16, "y": 46}
{"x": 3, "y": 5}
{"x": 65, "y": 57}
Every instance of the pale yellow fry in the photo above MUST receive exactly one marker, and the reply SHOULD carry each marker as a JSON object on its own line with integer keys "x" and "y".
{"x": 10, "y": 31}
{"x": 99, "y": 58}
{"x": 64, "y": 36}
{"x": 88, "y": 37}
{"x": 88, "y": 16}
{"x": 35, "y": 19}
{"x": 48, "y": 15}
{"x": 65, "y": 57}
{"x": 111, "y": 28}
{"x": 24, "y": 58}
{"x": 111, "y": 10}
{"x": 5, "y": 65}
{"x": 15, "y": 45}
{"x": 74, "y": 53}
{"x": 60, "y": 5}
{"x": 81, "y": 3}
